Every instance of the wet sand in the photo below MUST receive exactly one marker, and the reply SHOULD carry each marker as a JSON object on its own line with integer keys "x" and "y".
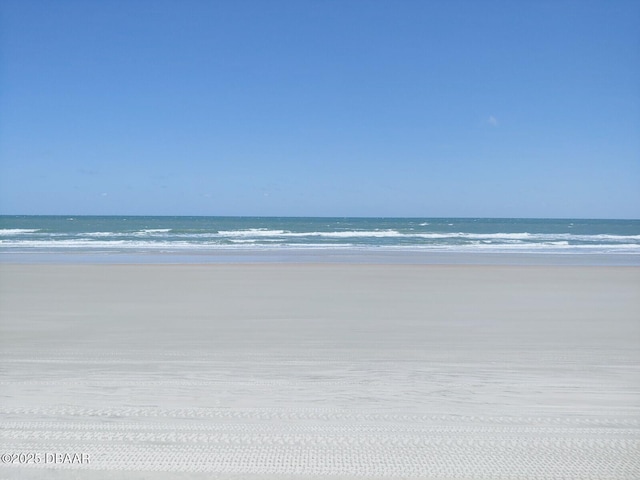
{"x": 321, "y": 370}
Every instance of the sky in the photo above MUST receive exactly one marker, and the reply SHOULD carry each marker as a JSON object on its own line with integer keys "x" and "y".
{"x": 441, "y": 108}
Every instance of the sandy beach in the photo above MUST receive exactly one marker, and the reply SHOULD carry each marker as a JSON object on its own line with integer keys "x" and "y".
{"x": 320, "y": 371}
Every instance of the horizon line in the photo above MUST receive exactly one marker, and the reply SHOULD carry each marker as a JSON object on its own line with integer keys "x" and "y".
{"x": 317, "y": 216}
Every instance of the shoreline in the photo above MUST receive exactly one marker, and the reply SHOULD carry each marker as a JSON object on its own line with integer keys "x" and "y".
{"x": 325, "y": 256}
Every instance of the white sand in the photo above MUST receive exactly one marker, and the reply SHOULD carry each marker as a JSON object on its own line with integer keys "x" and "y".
{"x": 317, "y": 371}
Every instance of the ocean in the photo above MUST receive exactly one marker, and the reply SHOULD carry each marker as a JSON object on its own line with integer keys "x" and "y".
{"x": 203, "y": 237}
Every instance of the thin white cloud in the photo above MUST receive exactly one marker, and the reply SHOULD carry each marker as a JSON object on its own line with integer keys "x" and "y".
{"x": 493, "y": 121}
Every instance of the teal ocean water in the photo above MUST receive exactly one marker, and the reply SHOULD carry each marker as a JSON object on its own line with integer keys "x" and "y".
{"x": 139, "y": 235}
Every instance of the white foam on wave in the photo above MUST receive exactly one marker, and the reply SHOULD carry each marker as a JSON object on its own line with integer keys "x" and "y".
{"x": 548, "y": 247}
{"x": 507, "y": 237}
{"x": 264, "y": 234}
{"x": 80, "y": 243}
{"x": 252, "y": 240}
{"x": 139, "y": 233}
{"x": 147, "y": 231}
{"x": 258, "y": 232}
{"x": 249, "y": 244}
{"x": 251, "y": 232}
{"x": 362, "y": 234}
{"x": 166, "y": 239}
{"x": 17, "y": 231}
{"x": 525, "y": 236}
{"x": 102, "y": 234}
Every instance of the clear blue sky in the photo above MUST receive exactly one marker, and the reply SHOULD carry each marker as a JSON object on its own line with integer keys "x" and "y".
{"x": 321, "y": 107}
